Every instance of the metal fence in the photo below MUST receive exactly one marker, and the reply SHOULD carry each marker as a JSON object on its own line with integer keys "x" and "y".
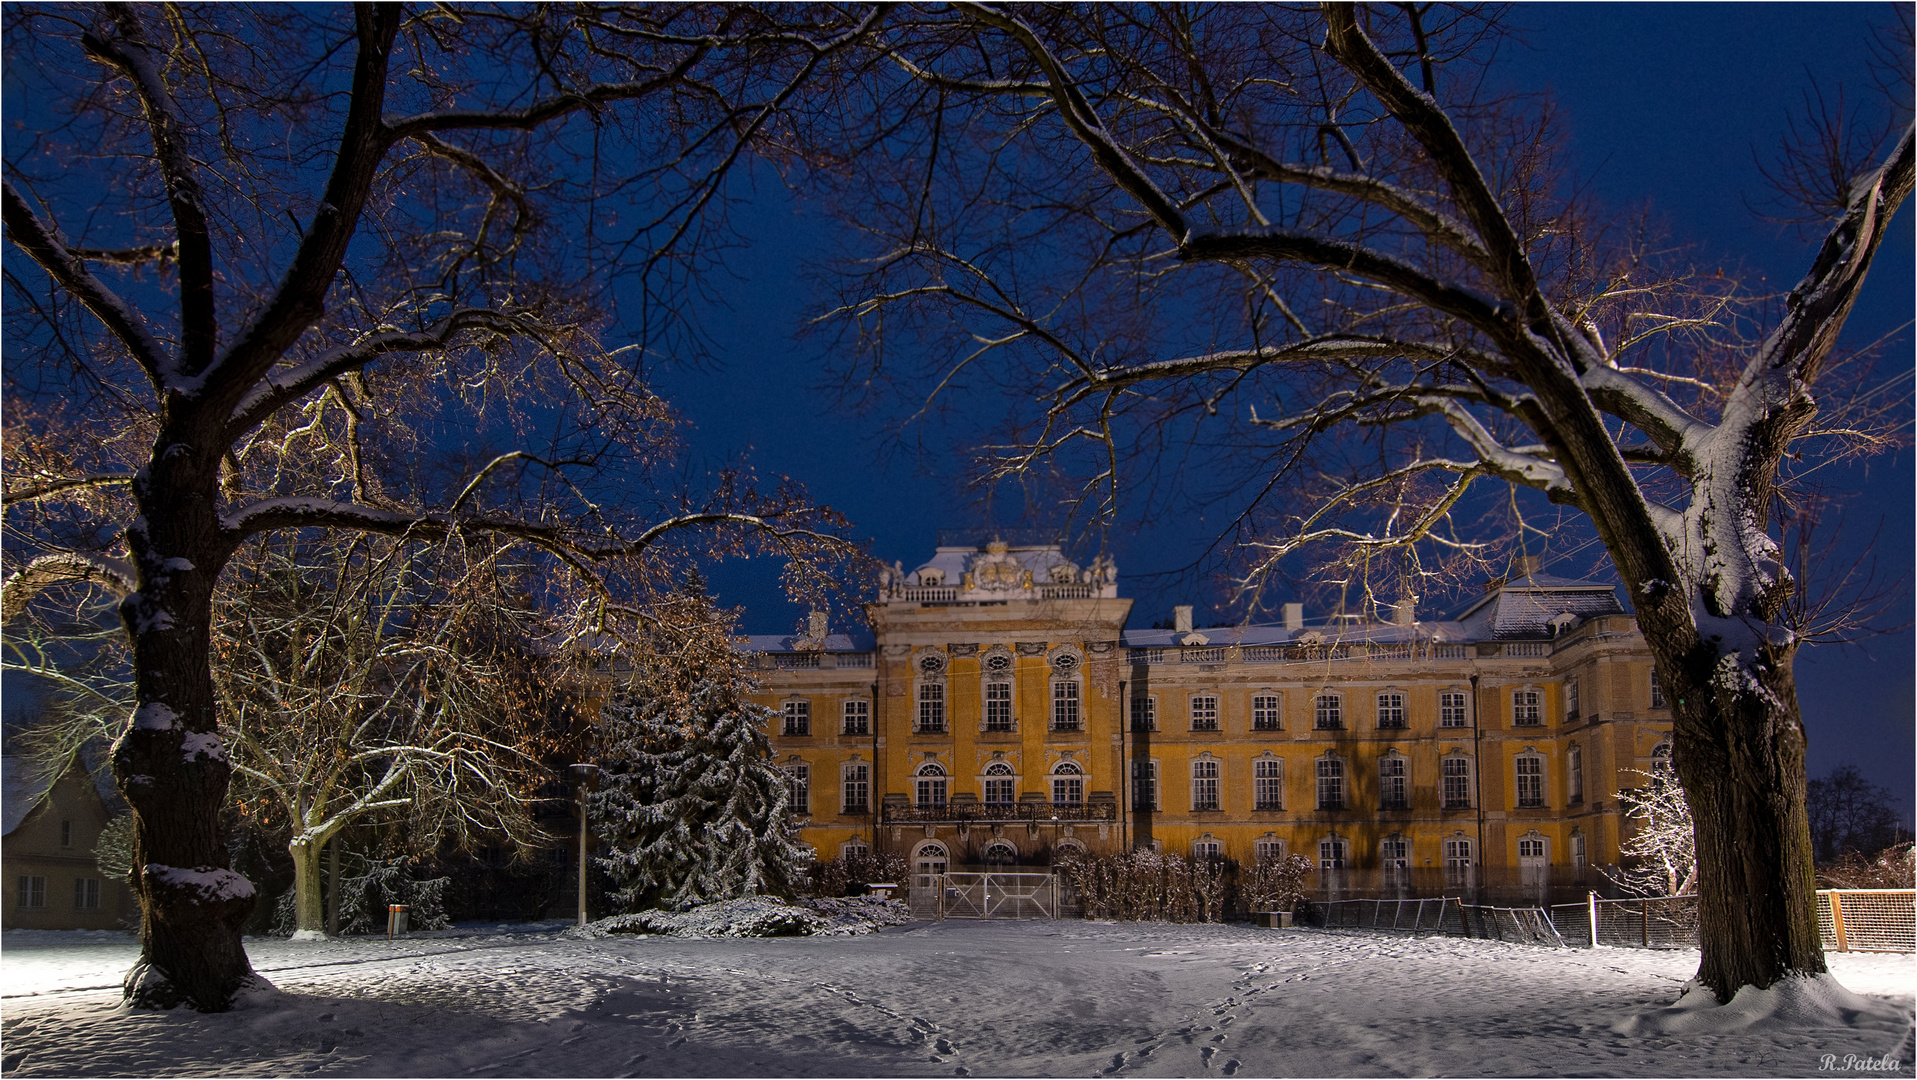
{"x": 998, "y": 896}
{"x": 1436, "y": 915}
{"x": 1849, "y": 920}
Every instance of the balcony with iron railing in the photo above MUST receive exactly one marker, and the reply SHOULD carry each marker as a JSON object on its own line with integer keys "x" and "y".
{"x": 958, "y": 811}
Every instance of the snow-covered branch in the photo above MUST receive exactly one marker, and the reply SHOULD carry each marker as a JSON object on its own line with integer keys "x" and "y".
{"x": 47, "y": 571}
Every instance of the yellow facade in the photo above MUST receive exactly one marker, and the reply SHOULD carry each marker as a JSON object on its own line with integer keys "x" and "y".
{"x": 1330, "y": 741}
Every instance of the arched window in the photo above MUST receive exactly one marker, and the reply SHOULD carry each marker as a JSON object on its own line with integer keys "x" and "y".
{"x": 1661, "y": 757}
{"x": 1000, "y": 854}
{"x": 1331, "y": 783}
{"x": 1068, "y": 783}
{"x": 998, "y": 783}
{"x": 931, "y": 784}
{"x": 1204, "y": 784}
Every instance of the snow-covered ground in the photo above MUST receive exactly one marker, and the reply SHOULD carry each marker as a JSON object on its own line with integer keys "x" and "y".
{"x": 1062, "y": 998}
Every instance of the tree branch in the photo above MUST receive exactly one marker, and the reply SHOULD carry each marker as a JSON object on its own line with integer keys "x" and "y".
{"x": 66, "y": 567}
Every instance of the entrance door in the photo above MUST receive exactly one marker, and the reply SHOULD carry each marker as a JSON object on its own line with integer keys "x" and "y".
{"x": 928, "y": 873}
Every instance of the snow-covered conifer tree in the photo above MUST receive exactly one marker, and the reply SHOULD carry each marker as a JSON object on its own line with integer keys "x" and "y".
{"x": 690, "y": 805}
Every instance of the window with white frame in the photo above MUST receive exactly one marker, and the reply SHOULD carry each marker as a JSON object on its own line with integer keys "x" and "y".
{"x": 1458, "y": 864}
{"x": 1391, "y": 709}
{"x": 1332, "y": 854}
{"x": 32, "y": 891}
{"x": 1068, "y": 783}
{"x": 998, "y": 705}
{"x": 931, "y": 708}
{"x": 855, "y": 783}
{"x": 1331, "y": 783}
{"x": 931, "y": 784}
{"x": 86, "y": 894}
{"x": 798, "y": 782}
{"x": 1065, "y": 716}
{"x": 1268, "y": 848}
{"x": 1144, "y": 714}
{"x": 1577, "y": 852}
{"x": 999, "y": 783}
{"x": 1530, "y": 774}
{"x": 1204, "y": 712}
{"x": 1657, "y": 692}
{"x": 1526, "y": 707}
{"x": 1457, "y": 783}
{"x": 1574, "y": 774}
{"x": 858, "y": 717}
{"x": 1268, "y": 783}
{"x": 1328, "y": 713}
{"x": 1570, "y": 697}
{"x": 1266, "y": 713}
{"x": 798, "y": 718}
{"x": 1204, "y": 784}
{"x": 1206, "y": 849}
{"x": 1394, "y": 858}
{"x": 1529, "y": 848}
{"x": 1144, "y": 785}
{"x": 1394, "y": 792}
{"x": 854, "y": 848}
{"x": 1661, "y": 757}
{"x": 1451, "y": 709}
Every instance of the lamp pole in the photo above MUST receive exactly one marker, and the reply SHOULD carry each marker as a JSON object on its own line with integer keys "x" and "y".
{"x": 582, "y": 772}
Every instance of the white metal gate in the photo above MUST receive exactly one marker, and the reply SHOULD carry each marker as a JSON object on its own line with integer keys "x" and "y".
{"x": 998, "y": 896}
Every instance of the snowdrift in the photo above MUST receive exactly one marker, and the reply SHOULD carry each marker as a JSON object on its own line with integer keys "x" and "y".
{"x": 758, "y": 916}
{"x": 1803, "y": 1001}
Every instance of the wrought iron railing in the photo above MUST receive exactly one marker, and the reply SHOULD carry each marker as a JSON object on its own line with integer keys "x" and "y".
{"x": 1032, "y": 811}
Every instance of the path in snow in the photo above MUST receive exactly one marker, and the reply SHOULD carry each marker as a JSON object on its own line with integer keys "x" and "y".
{"x": 940, "y": 999}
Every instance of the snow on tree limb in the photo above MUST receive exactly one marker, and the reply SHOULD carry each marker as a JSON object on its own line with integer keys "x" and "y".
{"x": 64, "y": 568}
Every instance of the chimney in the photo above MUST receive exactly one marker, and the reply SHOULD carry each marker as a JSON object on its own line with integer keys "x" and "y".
{"x": 1294, "y": 616}
{"x": 816, "y": 624}
{"x": 1181, "y": 618}
{"x": 1405, "y": 611}
{"x": 1528, "y": 565}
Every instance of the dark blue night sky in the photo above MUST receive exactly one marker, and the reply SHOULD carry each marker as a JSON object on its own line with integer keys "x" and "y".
{"x": 1670, "y": 106}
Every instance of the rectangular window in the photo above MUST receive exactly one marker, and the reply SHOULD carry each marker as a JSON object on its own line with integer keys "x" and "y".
{"x": 1328, "y": 713}
{"x": 1268, "y": 782}
{"x": 1068, "y": 789}
{"x": 1207, "y": 850}
{"x": 1268, "y": 850}
{"x": 998, "y": 706}
{"x": 1530, "y": 781}
{"x": 86, "y": 894}
{"x": 1530, "y": 849}
{"x": 1204, "y": 713}
{"x": 1265, "y": 715}
{"x": 1204, "y": 785}
{"x": 1451, "y": 709}
{"x": 1657, "y": 692}
{"x": 858, "y": 718}
{"x": 1331, "y": 854}
{"x": 1391, "y": 710}
{"x": 1144, "y": 714}
{"x": 1574, "y": 774}
{"x": 1570, "y": 698}
{"x": 1395, "y": 853}
{"x": 1524, "y": 708}
{"x": 1457, "y": 863}
{"x": 33, "y": 891}
{"x": 798, "y": 779}
{"x": 66, "y": 834}
{"x": 1331, "y": 784}
{"x": 932, "y": 708}
{"x": 1577, "y": 852}
{"x": 1392, "y": 793}
{"x": 931, "y": 791}
{"x": 857, "y": 781}
{"x": 1457, "y": 784}
{"x": 998, "y": 789}
{"x": 1144, "y": 785}
{"x": 1065, "y": 706}
{"x": 798, "y": 718}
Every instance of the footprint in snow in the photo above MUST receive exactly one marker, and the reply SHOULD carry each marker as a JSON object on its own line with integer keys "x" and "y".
{"x": 1207, "y": 1054}
{"x": 1231, "y": 1067}
{"x": 944, "y": 1046}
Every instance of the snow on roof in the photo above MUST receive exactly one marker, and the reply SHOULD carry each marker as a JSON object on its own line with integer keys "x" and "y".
{"x": 856, "y": 641}
{"x": 1524, "y": 607}
{"x": 1276, "y": 634}
{"x": 21, "y": 789}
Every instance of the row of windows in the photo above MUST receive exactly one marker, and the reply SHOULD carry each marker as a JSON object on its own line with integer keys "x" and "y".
{"x": 32, "y": 892}
{"x": 1395, "y": 853}
{"x": 930, "y": 785}
{"x": 1267, "y": 710}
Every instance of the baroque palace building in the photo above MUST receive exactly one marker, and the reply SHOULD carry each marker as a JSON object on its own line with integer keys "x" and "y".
{"x": 999, "y": 714}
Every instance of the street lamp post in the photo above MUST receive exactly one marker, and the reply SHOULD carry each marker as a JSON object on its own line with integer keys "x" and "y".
{"x": 583, "y": 772}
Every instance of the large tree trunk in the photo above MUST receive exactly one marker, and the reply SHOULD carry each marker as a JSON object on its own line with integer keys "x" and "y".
{"x": 1739, "y": 752}
{"x": 170, "y": 764}
{"x": 309, "y": 909}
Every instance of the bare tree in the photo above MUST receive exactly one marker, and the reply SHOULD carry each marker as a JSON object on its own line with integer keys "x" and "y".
{"x": 1661, "y": 848}
{"x": 1152, "y": 216}
{"x": 1849, "y": 814}
{"x": 332, "y": 268}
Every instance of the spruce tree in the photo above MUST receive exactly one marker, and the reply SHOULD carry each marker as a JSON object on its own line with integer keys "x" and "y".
{"x": 691, "y": 807}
